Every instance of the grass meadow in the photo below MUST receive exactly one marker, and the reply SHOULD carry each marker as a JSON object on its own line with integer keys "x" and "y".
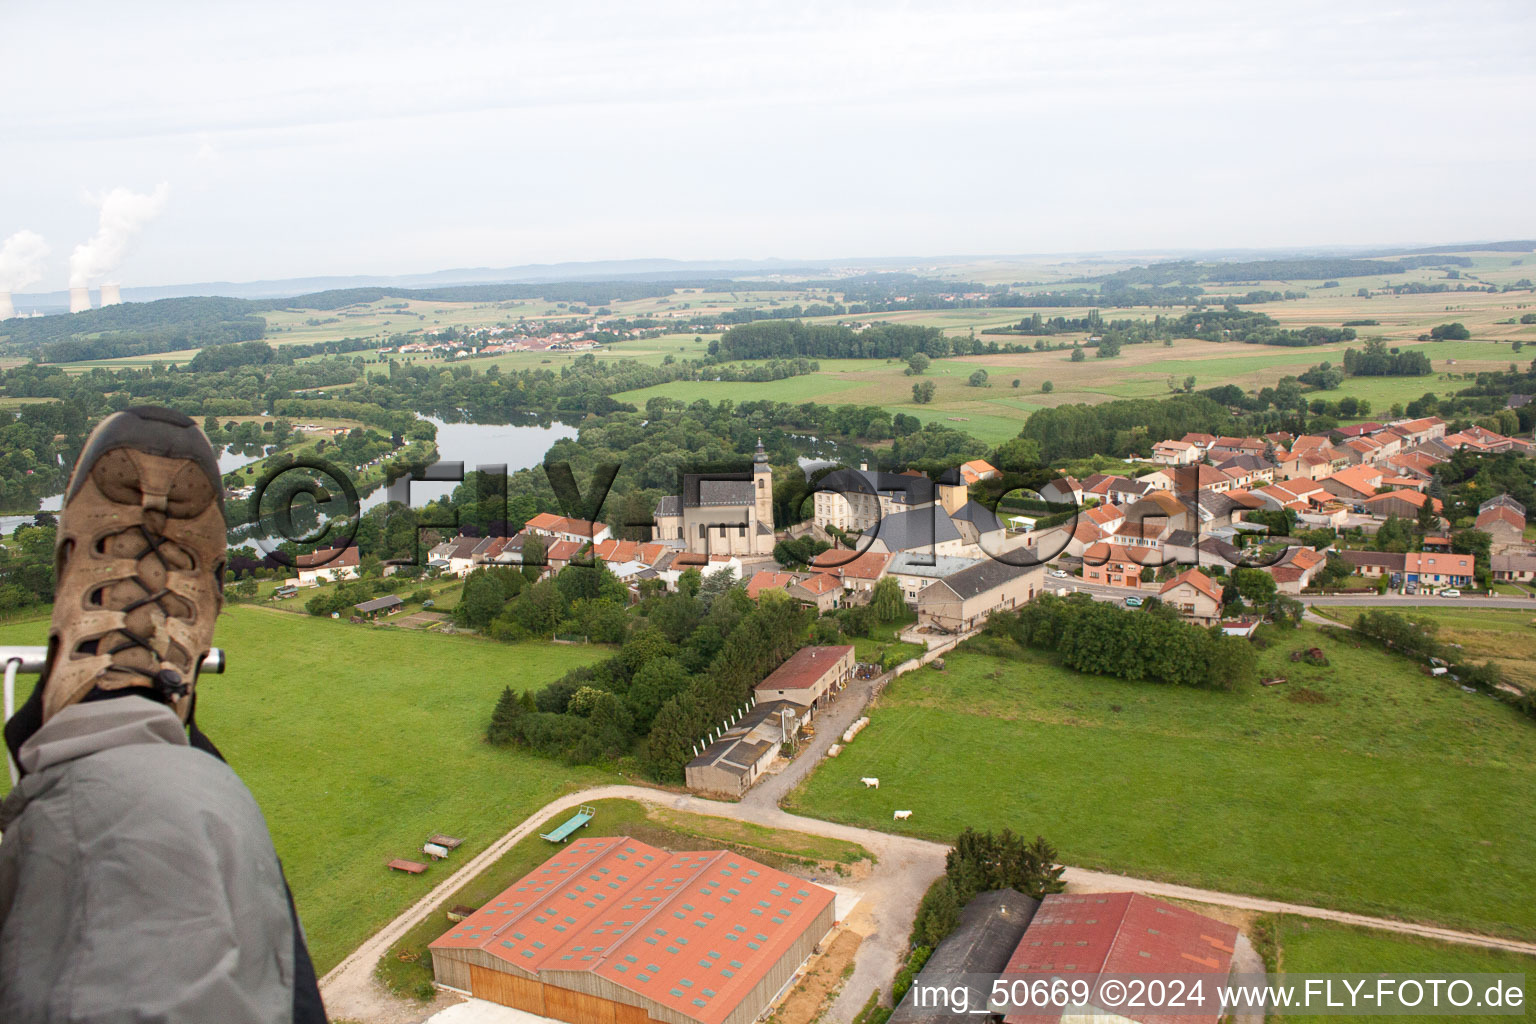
{"x": 1362, "y": 785}
{"x": 359, "y": 742}
{"x": 1503, "y": 635}
{"x": 1324, "y": 947}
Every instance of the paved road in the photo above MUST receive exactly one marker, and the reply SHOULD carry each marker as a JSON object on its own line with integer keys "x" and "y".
{"x": 905, "y": 868}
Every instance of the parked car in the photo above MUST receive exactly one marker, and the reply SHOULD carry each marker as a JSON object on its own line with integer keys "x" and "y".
{"x": 1411, "y": 588}
{"x": 1133, "y": 602}
{"x": 1060, "y": 574}
{"x": 1452, "y": 592}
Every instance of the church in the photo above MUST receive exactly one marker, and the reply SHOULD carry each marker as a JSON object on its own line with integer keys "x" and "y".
{"x": 721, "y": 513}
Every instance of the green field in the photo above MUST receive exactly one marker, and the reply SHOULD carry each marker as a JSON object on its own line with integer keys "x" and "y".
{"x": 1380, "y": 790}
{"x": 660, "y": 827}
{"x": 1323, "y": 947}
{"x": 358, "y": 745}
{"x": 1503, "y": 635}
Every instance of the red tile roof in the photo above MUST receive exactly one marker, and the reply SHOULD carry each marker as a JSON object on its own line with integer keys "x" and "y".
{"x": 329, "y": 558}
{"x": 1123, "y": 933}
{"x": 1197, "y": 579}
{"x": 695, "y": 932}
{"x": 768, "y": 580}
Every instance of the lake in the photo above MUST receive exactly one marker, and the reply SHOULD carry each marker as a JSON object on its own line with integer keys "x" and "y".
{"x": 481, "y": 444}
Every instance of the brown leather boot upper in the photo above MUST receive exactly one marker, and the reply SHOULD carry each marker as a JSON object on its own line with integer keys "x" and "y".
{"x": 140, "y": 562}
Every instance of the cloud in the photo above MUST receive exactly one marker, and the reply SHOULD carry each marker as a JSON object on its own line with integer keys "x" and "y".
{"x": 124, "y": 213}
{"x": 21, "y": 260}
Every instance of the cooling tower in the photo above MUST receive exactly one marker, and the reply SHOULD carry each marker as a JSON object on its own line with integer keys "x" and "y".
{"x": 79, "y": 300}
{"x": 7, "y": 310}
{"x": 111, "y": 294}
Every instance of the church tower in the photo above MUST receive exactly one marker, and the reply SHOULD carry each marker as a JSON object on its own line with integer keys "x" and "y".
{"x": 762, "y": 485}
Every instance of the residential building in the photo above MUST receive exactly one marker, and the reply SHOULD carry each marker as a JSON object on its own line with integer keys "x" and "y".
{"x": 963, "y": 601}
{"x": 914, "y": 571}
{"x": 327, "y": 565}
{"x": 547, "y": 524}
{"x": 820, "y": 590}
{"x": 858, "y": 500}
{"x": 1115, "y": 565}
{"x": 1515, "y": 567}
{"x": 1504, "y": 525}
{"x": 1194, "y": 594}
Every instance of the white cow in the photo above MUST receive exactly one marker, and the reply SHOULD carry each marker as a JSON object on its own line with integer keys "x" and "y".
{"x": 871, "y": 783}
{"x": 901, "y": 815}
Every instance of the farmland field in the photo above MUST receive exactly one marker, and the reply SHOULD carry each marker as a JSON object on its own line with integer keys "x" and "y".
{"x": 1503, "y": 635}
{"x": 1323, "y": 947}
{"x": 357, "y": 750}
{"x": 1352, "y": 785}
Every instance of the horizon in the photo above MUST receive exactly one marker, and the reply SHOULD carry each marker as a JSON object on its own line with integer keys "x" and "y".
{"x": 244, "y": 152}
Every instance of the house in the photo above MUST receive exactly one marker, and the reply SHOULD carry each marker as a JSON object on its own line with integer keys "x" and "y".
{"x": 858, "y": 572}
{"x": 1248, "y": 470}
{"x": 1176, "y": 453}
{"x": 1228, "y": 446}
{"x": 1416, "y": 432}
{"x": 979, "y": 526}
{"x": 1436, "y": 570}
{"x": 581, "y": 965}
{"x": 1163, "y": 511}
{"x": 928, "y": 530}
{"x": 387, "y": 605}
{"x": 963, "y": 601}
{"x": 1373, "y": 564}
{"x": 1355, "y": 483}
{"x": 1515, "y": 567}
{"x": 856, "y": 500}
{"x": 1064, "y": 490}
{"x": 327, "y": 565}
{"x": 1114, "y": 565}
{"x": 1441, "y": 545}
{"x": 1194, "y": 594}
{"x": 1504, "y": 525}
{"x": 1089, "y": 936}
{"x": 990, "y": 929}
{"x": 1294, "y": 569}
{"x": 768, "y": 580}
{"x": 813, "y": 676}
{"x": 1403, "y": 503}
{"x": 913, "y": 572}
{"x": 547, "y": 524}
{"x": 977, "y": 470}
{"x": 1200, "y": 477}
{"x": 820, "y": 590}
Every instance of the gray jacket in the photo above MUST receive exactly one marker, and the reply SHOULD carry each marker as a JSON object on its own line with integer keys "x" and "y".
{"x": 138, "y": 882}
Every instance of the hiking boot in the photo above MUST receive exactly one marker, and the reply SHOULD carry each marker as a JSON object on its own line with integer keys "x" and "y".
{"x": 139, "y": 563}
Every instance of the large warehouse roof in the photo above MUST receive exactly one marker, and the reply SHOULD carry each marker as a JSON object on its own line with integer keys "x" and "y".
{"x": 1122, "y": 933}
{"x": 692, "y": 931}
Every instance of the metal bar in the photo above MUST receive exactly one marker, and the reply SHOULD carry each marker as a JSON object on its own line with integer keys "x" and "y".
{"x": 33, "y": 658}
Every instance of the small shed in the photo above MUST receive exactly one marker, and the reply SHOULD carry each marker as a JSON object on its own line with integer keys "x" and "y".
{"x": 387, "y": 605}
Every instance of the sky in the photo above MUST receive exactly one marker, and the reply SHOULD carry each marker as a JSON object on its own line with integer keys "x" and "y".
{"x": 375, "y": 138}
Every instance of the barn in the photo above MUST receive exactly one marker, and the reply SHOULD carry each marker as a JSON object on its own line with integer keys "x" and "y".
{"x": 614, "y": 931}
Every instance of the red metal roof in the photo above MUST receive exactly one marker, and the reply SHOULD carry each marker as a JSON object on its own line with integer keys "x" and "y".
{"x": 692, "y": 931}
{"x": 1122, "y": 933}
{"x": 804, "y": 667}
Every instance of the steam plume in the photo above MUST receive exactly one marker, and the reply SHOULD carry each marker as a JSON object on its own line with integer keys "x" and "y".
{"x": 21, "y": 260}
{"x": 123, "y": 215}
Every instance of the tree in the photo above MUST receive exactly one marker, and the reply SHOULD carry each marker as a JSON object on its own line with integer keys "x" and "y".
{"x": 1077, "y": 355}
{"x": 979, "y": 379}
{"x": 917, "y": 363}
{"x": 1255, "y": 586}
{"x": 1017, "y": 382}
{"x": 1148, "y": 574}
{"x": 885, "y": 600}
{"x": 922, "y": 393}
{"x": 1455, "y": 331}
{"x": 1046, "y": 387}
{"x": 1189, "y": 384}
{"x": 503, "y": 727}
{"x": 1428, "y": 521}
